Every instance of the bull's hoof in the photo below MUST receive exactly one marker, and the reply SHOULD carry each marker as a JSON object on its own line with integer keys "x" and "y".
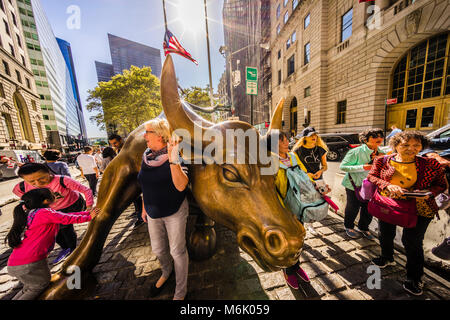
{"x": 202, "y": 243}
{"x": 70, "y": 286}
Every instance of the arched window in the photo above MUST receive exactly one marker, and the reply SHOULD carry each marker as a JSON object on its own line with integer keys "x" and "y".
{"x": 421, "y": 73}
{"x": 293, "y": 116}
{"x": 24, "y": 117}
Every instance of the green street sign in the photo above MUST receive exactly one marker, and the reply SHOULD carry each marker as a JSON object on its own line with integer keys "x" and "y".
{"x": 251, "y": 74}
{"x": 251, "y": 87}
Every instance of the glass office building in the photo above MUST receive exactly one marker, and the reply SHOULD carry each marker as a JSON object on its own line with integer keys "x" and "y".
{"x": 67, "y": 54}
{"x": 126, "y": 53}
{"x": 52, "y": 76}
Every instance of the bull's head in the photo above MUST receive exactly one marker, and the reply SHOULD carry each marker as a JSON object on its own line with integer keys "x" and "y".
{"x": 237, "y": 195}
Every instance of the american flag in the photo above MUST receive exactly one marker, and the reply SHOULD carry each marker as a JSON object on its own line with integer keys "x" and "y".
{"x": 171, "y": 45}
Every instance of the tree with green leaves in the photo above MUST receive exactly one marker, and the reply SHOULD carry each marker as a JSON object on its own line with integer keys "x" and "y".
{"x": 199, "y": 97}
{"x": 126, "y": 101}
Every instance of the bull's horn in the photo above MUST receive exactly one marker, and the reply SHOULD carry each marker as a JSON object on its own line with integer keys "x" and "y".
{"x": 195, "y": 117}
{"x": 175, "y": 114}
{"x": 277, "y": 117}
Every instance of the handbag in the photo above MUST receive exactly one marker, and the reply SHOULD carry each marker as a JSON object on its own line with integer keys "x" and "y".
{"x": 357, "y": 190}
{"x": 398, "y": 212}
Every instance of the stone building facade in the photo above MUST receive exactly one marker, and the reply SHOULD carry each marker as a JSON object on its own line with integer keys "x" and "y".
{"x": 337, "y": 61}
{"x": 22, "y": 124}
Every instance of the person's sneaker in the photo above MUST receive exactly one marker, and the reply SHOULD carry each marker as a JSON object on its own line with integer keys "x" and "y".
{"x": 412, "y": 287}
{"x": 351, "y": 233}
{"x": 291, "y": 280}
{"x": 62, "y": 254}
{"x": 383, "y": 262}
{"x": 366, "y": 234}
{"x": 421, "y": 284}
{"x": 302, "y": 274}
{"x": 138, "y": 223}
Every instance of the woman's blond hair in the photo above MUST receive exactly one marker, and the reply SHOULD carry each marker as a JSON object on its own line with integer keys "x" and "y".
{"x": 302, "y": 141}
{"x": 161, "y": 128}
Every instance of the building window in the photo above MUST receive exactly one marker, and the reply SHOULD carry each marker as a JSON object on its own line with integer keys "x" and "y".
{"x": 2, "y": 91}
{"x": 294, "y": 37}
{"x": 6, "y": 67}
{"x": 341, "y": 111}
{"x": 346, "y": 25}
{"x": 278, "y": 11}
{"x": 11, "y": 48}
{"x": 421, "y": 73}
{"x": 306, "y": 21}
{"x": 28, "y": 83}
{"x": 307, "y": 56}
{"x": 279, "y": 77}
{"x": 7, "y": 123}
{"x": 2, "y": 6}
{"x": 45, "y": 117}
{"x": 427, "y": 117}
{"x": 411, "y": 117}
{"x": 278, "y": 29}
{"x": 285, "y": 2}
{"x": 307, "y": 92}
{"x": 19, "y": 42}
{"x": 39, "y": 128}
{"x": 288, "y": 43}
{"x": 286, "y": 17}
{"x": 19, "y": 77}
{"x": 293, "y": 116}
{"x": 294, "y": 4}
{"x": 279, "y": 54}
{"x": 6, "y": 27}
{"x": 291, "y": 65}
{"x": 33, "y": 104}
{"x": 23, "y": 61}
{"x": 14, "y": 19}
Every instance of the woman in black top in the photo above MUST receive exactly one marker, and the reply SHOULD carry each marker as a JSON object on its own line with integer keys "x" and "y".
{"x": 312, "y": 151}
{"x": 163, "y": 182}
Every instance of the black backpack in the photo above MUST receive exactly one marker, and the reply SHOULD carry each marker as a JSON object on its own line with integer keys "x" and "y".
{"x": 61, "y": 182}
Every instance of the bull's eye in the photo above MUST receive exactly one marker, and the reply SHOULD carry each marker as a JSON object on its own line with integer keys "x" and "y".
{"x": 231, "y": 174}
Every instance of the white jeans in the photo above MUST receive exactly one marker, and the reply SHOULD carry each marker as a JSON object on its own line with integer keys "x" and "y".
{"x": 168, "y": 241}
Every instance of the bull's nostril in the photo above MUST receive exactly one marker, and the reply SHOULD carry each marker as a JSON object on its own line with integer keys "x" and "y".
{"x": 276, "y": 243}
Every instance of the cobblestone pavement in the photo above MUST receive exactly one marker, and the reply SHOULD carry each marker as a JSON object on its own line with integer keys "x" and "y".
{"x": 336, "y": 265}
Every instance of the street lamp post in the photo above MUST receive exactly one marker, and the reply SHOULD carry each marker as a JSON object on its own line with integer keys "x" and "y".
{"x": 223, "y": 50}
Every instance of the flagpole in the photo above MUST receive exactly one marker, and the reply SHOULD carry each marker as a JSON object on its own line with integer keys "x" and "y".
{"x": 209, "y": 57}
{"x": 165, "y": 16}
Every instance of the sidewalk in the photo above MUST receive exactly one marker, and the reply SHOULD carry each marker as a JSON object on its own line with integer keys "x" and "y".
{"x": 336, "y": 265}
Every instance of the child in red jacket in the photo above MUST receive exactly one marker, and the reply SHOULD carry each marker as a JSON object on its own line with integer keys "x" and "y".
{"x": 28, "y": 261}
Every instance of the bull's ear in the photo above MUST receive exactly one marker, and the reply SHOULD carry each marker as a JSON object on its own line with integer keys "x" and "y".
{"x": 277, "y": 117}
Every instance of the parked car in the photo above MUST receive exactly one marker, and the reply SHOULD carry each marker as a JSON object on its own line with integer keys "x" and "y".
{"x": 339, "y": 143}
{"x": 436, "y": 140}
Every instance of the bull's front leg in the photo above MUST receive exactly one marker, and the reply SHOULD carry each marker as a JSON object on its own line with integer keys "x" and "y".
{"x": 118, "y": 189}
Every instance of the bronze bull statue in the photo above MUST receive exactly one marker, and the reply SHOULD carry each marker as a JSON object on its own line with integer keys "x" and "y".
{"x": 235, "y": 195}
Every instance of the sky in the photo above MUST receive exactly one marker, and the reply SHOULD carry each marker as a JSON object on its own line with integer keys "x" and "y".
{"x": 141, "y": 21}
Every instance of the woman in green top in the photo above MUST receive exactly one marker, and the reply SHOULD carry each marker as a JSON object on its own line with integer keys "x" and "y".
{"x": 357, "y": 163}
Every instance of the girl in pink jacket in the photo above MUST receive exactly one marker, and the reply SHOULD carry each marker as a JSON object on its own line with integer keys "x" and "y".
{"x": 28, "y": 260}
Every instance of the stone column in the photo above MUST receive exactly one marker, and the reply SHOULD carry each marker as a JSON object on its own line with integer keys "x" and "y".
{"x": 383, "y": 4}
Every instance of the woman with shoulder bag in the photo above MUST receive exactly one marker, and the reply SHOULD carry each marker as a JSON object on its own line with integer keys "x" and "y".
{"x": 357, "y": 164}
{"x": 402, "y": 172}
{"x": 281, "y": 183}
